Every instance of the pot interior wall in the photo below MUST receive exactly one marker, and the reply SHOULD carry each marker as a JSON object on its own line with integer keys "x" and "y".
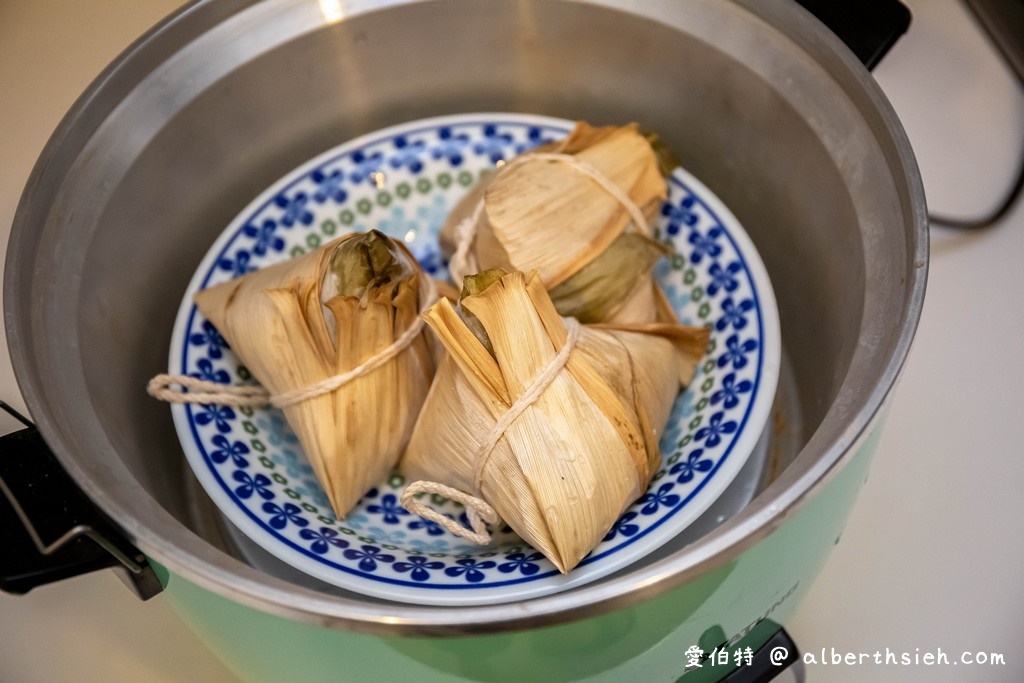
{"x": 186, "y": 150}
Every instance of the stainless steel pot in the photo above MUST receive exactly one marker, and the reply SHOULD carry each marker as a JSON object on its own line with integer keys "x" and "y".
{"x": 763, "y": 105}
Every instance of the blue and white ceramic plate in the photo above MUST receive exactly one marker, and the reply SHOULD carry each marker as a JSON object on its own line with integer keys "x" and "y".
{"x": 403, "y": 181}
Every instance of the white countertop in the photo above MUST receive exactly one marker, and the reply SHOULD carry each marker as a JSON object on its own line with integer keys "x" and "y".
{"x": 933, "y": 556}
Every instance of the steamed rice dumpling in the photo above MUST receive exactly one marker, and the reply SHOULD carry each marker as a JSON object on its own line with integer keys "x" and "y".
{"x": 579, "y": 212}
{"x": 335, "y": 338}
{"x": 551, "y": 423}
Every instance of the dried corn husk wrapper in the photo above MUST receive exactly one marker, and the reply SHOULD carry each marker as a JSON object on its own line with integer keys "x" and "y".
{"x": 563, "y": 471}
{"x": 579, "y": 212}
{"x": 320, "y": 315}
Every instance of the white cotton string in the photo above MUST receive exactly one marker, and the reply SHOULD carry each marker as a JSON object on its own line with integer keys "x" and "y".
{"x": 476, "y": 507}
{"x": 477, "y": 510}
{"x": 463, "y": 261}
{"x": 162, "y": 388}
{"x": 533, "y": 391}
{"x": 202, "y": 391}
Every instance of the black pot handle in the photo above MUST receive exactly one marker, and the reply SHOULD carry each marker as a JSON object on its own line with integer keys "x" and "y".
{"x": 49, "y": 529}
{"x": 868, "y": 27}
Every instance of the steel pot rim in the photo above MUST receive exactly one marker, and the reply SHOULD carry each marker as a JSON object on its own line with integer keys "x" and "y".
{"x": 177, "y": 549}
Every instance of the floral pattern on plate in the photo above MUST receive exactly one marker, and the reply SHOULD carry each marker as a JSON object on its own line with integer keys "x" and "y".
{"x": 403, "y": 181}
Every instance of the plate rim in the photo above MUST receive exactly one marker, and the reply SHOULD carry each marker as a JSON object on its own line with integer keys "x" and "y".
{"x": 723, "y": 473}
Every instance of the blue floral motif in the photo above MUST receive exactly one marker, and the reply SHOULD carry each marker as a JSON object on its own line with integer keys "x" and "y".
{"x": 521, "y": 562}
{"x": 397, "y": 225}
{"x": 408, "y": 153}
{"x": 688, "y": 468}
{"x": 736, "y": 352}
{"x": 662, "y": 270}
{"x": 430, "y": 261}
{"x": 295, "y": 210}
{"x": 535, "y": 136}
{"x": 451, "y": 146}
{"x": 729, "y": 394}
{"x": 365, "y": 165}
{"x": 679, "y": 215}
{"x": 433, "y": 215}
{"x": 624, "y": 525}
{"x": 682, "y": 409}
{"x": 687, "y": 402}
{"x": 652, "y": 500}
{"x": 463, "y": 549}
{"x": 278, "y": 432}
{"x": 369, "y": 556}
{"x": 314, "y": 492}
{"x": 435, "y": 545}
{"x": 711, "y": 435}
{"x": 282, "y": 514}
{"x": 734, "y": 314}
{"x": 390, "y": 508}
{"x": 207, "y": 373}
{"x": 220, "y": 416}
{"x": 676, "y": 296}
{"x": 417, "y": 567}
{"x": 357, "y": 521}
{"x": 432, "y": 528}
{"x": 210, "y": 338}
{"x": 705, "y": 245}
{"x": 265, "y": 237}
{"x": 328, "y": 186}
{"x": 239, "y": 265}
{"x": 323, "y": 539}
{"x": 389, "y": 535}
{"x": 494, "y": 144}
{"x": 225, "y": 449}
{"x": 470, "y": 569}
{"x": 723, "y": 278}
{"x": 293, "y": 467}
{"x": 258, "y": 484}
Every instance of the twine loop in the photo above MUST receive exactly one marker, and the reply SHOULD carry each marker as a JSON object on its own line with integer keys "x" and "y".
{"x": 477, "y": 510}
